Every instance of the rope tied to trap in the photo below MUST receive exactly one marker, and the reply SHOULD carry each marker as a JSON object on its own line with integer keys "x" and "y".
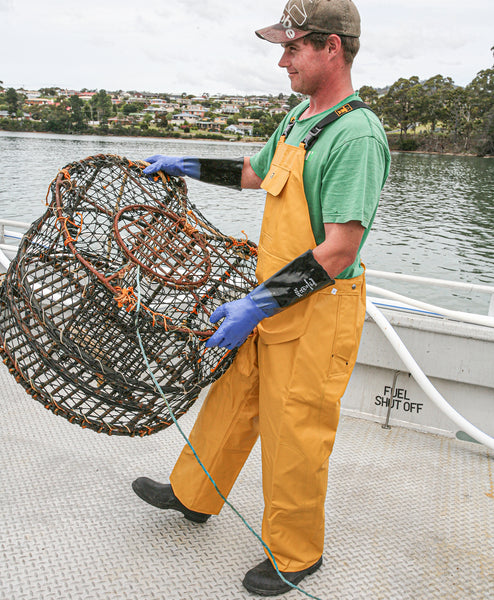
{"x": 126, "y": 297}
{"x": 65, "y": 222}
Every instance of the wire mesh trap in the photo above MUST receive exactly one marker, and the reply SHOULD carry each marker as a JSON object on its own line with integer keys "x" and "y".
{"x": 115, "y": 253}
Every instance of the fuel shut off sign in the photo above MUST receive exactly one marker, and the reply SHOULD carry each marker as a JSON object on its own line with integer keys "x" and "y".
{"x": 400, "y": 402}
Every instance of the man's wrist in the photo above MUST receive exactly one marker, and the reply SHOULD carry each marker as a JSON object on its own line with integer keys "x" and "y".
{"x": 295, "y": 281}
{"x": 222, "y": 171}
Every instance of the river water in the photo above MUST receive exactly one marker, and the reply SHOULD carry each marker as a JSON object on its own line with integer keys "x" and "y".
{"x": 435, "y": 219}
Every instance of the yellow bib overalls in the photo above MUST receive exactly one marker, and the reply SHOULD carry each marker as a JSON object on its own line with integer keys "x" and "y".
{"x": 284, "y": 384}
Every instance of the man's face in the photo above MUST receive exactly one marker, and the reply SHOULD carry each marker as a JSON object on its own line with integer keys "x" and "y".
{"x": 306, "y": 67}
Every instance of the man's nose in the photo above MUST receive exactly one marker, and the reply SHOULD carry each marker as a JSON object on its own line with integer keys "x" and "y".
{"x": 283, "y": 60}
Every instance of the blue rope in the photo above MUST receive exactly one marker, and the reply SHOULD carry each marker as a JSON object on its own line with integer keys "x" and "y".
{"x": 158, "y": 387}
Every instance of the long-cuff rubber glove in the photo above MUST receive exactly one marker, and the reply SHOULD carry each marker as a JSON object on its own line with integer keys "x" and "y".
{"x": 295, "y": 281}
{"x": 220, "y": 171}
{"x": 241, "y": 316}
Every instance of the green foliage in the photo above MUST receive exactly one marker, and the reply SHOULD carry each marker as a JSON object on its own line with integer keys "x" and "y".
{"x": 49, "y": 92}
{"x": 58, "y": 119}
{"x": 77, "y": 110}
{"x": 437, "y": 92}
{"x": 481, "y": 92}
{"x": 12, "y": 99}
{"x": 294, "y": 100}
{"x": 267, "y": 124}
{"x": 486, "y": 141}
{"x": 102, "y": 106}
{"x": 131, "y": 107}
{"x": 408, "y": 144}
{"x": 370, "y": 96}
{"x": 256, "y": 114}
{"x": 404, "y": 103}
{"x": 161, "y": 120}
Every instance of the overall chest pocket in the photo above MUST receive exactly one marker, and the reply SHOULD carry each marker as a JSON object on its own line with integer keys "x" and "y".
{"x": 275, "y": 180}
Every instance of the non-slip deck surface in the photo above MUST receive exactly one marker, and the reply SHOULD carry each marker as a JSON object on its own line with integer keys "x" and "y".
{"x": 408, "y": 516}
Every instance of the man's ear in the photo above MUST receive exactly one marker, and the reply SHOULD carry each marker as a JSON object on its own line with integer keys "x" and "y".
{"x": 333, "y": 44}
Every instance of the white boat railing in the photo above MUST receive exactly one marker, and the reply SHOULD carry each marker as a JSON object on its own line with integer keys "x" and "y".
{"x": 9, "y": 223}
{"x": 404, "y": 301}
{"x": 10, "y": 234}
{"x": 400, "y": 301}
{"x": 487, "y": 320}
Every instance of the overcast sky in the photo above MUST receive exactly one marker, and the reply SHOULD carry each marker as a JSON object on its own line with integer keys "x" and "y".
{"x": 197, "y": 46}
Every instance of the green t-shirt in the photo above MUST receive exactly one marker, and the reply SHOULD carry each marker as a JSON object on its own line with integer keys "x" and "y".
{"x": 344, "y": 172}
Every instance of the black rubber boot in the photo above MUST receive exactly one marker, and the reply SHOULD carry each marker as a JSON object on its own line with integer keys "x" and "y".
{"x": 161, "y": 495}
{"x": 265, "y": 581}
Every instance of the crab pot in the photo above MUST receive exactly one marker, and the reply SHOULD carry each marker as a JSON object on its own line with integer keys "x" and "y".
{"x": 110, "y": 294}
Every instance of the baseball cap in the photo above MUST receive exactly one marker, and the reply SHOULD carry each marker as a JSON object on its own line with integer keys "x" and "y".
{"x": 301, "y": 17}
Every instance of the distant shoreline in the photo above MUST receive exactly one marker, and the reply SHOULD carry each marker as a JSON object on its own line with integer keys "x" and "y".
{"x": 197, "y": 138}
{"x": 234, "y": 140}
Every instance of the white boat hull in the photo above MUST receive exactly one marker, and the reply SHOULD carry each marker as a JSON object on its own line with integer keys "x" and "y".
{"x": 457, "y": 357}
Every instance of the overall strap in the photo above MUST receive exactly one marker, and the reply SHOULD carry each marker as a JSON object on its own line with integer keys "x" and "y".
{"x": 313, "y": 134}
{"x": 290, "y": 125}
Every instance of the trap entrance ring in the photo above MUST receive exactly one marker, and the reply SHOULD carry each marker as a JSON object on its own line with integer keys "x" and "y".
{"x": 163, "y": 244}
{"x": 69, "y": 309}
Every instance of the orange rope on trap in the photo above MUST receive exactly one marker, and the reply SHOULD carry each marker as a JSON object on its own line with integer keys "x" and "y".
{"x": 68, "y": 237}
{"x": 126, "y": 298}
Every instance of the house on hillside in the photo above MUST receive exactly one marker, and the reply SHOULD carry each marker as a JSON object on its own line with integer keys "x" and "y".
{"x": 86, "y": 95}
{"x": 229, "y": 109}
{"x": 208, "y": 126}
{"x": 184, "y": 118}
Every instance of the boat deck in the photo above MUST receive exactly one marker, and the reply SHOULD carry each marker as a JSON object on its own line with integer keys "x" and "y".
{"x": 409, "y": 516}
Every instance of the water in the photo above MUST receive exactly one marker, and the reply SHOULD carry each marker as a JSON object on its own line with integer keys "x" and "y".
{"x": 435, "y": 219}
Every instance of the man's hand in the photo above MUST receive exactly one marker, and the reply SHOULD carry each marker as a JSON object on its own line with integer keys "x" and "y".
{"x": 177, "y": 166}
{"x": 241, "y": 316}
{"x": 293, "y": 282}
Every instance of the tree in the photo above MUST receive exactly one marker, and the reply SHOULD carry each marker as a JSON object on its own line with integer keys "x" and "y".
{"x": 131, "y": 107}
{"x": 57, "y": 118}
{"x": 102, "y": 104}
{"x": 437, "y": 91}
{"x": 77, "y": 107}
{"x": 369, "y": 95}
{"x": 36, "y": 113}
{"x": 461, "y": 121}
{"x": 481, "y": 90}
{"x": 161, "y": 120}
{"x": 403, "y": 104}
{"x": 49, "y": 91}
{"x": 267, "y": 124}
{"x": 481, "y": 95}
{"x": 294, "y": 100}
{"x": 12, "y": 99}
{"x": 486, "y": 142}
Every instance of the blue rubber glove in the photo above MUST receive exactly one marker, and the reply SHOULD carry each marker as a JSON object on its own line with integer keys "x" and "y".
{"x": 241, "y": 316}
{"x": 177, "y": 166}
{"x": 295, "y": 281}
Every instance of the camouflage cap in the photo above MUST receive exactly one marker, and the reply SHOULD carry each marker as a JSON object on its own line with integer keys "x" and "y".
{"x": 301, "y": 17}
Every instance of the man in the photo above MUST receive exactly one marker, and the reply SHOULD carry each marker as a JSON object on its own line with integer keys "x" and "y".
{"x": 300, "y": 328}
